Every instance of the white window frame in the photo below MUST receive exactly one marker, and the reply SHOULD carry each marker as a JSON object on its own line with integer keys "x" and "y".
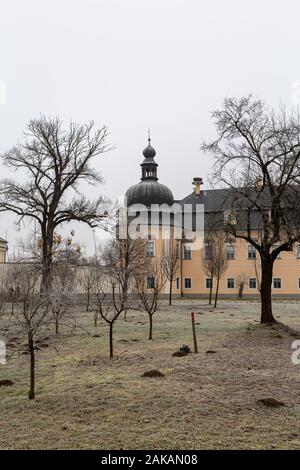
{"x": 254, "y": 251}
{"x": 187, "y": 245}
{"x": 230, "y": 244}
{"x": 153, "y": 244}
{"x": 185, "y": 279}
{"x": 205, "y": 282}
{"x": 227, "y": 279}
{"x": 177, "y": 283}
{"x": 250, "y": 279}
{"x": 277, "y": 288}
{"x": 151, "y": 277}
{"x": 207, "y": 245}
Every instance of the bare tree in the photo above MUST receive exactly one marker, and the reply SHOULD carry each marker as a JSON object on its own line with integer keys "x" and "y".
{"x": 111, "y": 303}
{"x": 257, "y": 156}
{"x": 208, "y": 265}
{"x": 219, "y": 258}
{"x": 88, "y": 279}
{"x": 149, "y": 283}
{"x": 61, "y": 293}
{"x": 241, "y": 280}
{"x": 100, "y": 289}
{"x": 4, "y": 292}
{"x": 32, "y": 315}
{"x": 55, "y": 161}
{"x": 170, "y": 263}
{"x": 12, "y": 286}
{"x": 123, "y": 259}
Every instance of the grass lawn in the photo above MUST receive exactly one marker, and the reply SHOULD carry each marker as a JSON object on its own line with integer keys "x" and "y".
{"x": 206, "y": 400}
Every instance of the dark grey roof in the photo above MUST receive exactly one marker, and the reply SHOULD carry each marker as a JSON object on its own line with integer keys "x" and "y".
{"x": 213, "y": 199}
{"x": 217, "y": 201}
{"x": 149, "y": 192}
{"x": 245, "y": 202}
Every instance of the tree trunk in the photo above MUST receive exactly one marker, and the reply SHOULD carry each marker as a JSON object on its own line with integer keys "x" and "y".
{"x": 150, "y": 326}
{"x": 47, "y": 261}
{"x": 241, "y": 289}
{"x": 46, "y": 279}
{"x": 210, "y": 293}
{"x": 96, "y": 319}
{"x": 217, "y": 293}
{"x": 111, "y": 348}
{"x": 31, "y": 393}
{"x": 266, "y": 290}
{"x": 56, "y": 326}
{"x": 170, "y": 292}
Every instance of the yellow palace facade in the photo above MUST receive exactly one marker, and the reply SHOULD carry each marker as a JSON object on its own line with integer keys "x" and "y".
{"x": 243, "y": 268}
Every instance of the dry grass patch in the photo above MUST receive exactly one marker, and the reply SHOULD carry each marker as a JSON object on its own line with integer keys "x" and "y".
{"x": 204, "y": 401}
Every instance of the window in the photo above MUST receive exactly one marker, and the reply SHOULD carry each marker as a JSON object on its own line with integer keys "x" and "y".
{"x": 230, "y": 252}
{"x": 208, "y": 283}
{"x": 277, "y": 283}
{"x": 177, "y": 283}
{"x": 298, "y": 282}
{"x": 178, "y": 254}
{"x": 230, "y": 283}
{"x": 188, "y": 283}
{"x": 187, "y": 252}
{"x": 298, "y": 251}
{"x": 150, "y": 248}
{"x": 251, "y": 252}
{"x": 208, "y": 251}
{"x": 252, "y": 283}
{"x": 150, "y": 282}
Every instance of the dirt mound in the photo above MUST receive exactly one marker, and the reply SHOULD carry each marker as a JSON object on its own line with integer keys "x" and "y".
{"x": 179, "y": 354}
{"x": 5, "y": 383}
{"x": 271, "y": 402}
{"x": 183, "y": 351}
{"x": 153, "y": 374}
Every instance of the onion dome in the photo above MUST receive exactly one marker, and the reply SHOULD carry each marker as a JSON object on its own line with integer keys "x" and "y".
{"x": 149, "y": 191}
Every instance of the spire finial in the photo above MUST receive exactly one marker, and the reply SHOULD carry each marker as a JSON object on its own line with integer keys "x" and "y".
{"x": 149, "y": 138}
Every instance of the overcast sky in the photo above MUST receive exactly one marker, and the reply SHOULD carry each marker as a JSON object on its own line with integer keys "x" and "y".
{"x": 139, "y": 64}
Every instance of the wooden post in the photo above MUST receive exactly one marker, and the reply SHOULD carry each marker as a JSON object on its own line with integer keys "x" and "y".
{"x": 194, "y": 333}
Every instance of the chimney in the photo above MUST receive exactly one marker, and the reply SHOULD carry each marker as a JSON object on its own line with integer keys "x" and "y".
{"x": 197, "y": 183}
